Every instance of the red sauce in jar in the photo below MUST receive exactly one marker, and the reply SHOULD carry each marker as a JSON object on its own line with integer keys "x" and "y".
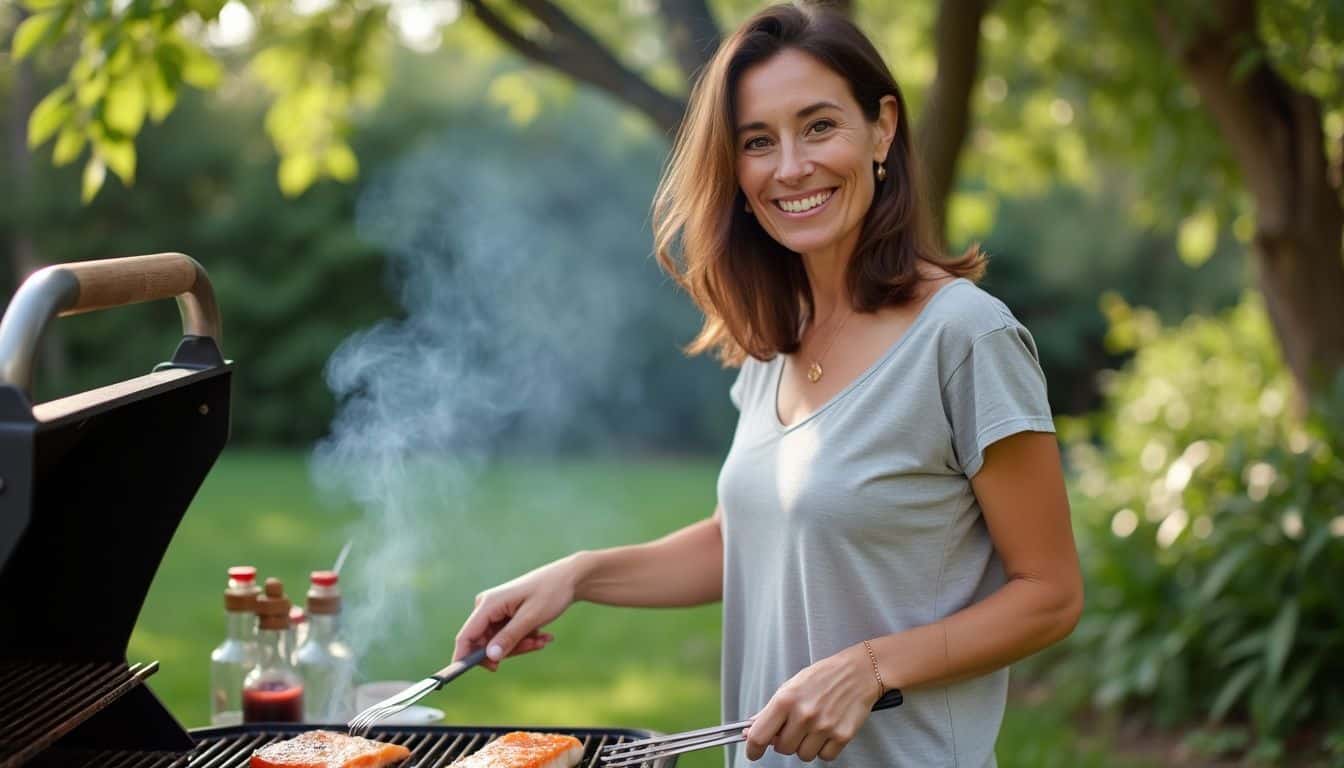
{"x": 273, "y": 703}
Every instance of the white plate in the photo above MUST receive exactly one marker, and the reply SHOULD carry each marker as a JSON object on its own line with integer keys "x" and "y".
{"x": 415, "y": 715}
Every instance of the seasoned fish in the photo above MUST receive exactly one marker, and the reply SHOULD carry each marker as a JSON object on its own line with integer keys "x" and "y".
{"x": 521, "y": 749}
{"x": 326, "y": 749}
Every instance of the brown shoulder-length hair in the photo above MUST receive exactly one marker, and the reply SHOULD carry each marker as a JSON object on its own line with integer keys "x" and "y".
{"x": 752, "y": 290}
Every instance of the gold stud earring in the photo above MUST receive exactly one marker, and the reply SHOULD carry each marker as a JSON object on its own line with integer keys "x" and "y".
{"x": 881, "y": 172}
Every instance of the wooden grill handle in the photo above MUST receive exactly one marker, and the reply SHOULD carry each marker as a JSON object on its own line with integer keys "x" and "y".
{"x": 110, "y": 283}
{"x": 71, "y": 289}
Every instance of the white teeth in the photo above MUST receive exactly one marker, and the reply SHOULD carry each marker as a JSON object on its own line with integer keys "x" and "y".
{"x": 806, "y": 204}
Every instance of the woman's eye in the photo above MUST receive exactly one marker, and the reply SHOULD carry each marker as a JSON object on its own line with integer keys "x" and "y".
{"x": 759, "y": 142}
{"x": 821, "y": 126}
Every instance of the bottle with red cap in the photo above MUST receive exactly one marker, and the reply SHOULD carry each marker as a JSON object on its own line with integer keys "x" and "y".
{"x": 273, "y": 691}
{"x": 231, "y": 659}
{"x": 324, "y": 661}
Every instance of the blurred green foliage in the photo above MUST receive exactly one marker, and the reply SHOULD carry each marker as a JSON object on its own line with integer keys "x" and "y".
{"x": 295, "y": 276}
{"x": 1212, "y": 534}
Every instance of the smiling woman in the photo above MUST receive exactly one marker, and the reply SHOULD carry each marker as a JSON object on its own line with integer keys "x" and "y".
{"x": 891, "y": 514}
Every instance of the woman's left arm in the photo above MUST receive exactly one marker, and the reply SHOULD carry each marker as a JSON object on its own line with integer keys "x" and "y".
{"x": 1021, "y": 492}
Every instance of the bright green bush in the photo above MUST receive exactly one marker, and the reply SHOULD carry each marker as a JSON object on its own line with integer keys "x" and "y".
{"x": 1210, "y": 514}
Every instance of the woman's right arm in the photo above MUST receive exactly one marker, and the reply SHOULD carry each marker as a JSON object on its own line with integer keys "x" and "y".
{"x": 683, "y": 568}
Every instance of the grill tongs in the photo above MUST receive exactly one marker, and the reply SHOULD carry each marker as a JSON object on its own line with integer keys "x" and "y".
{"x": 645, "y": 750}
{"x": 364, "y": 721}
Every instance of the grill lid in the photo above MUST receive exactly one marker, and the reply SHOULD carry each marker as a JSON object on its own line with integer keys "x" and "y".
{"x": 96, "y": 484}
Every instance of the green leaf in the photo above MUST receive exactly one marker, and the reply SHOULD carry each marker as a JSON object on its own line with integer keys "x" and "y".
{"x": 1285, "y": 696}
{"x": 341, "y": 162}
{"x": 1232, "y": 690}
{"x": 1247, "y": 646}
{"x": 34, "y": 31}
{"x": 1280, "y": 640}
{"x": 119, "y": 155}
{"x": 68, "y": 145}
{"x": 199, "y": 68}
{"x": 162, "y": 95}
{"x": 124, "y": 108}
{"x": 94, "y": 174}
{"x": 1313, "y": 547}
{"x": 1198, "y": 236}
{"x": 1222, "y": 571}
{"x": 49, "y": 115}
{"x": 297, "y": 172}
{"x": 37, "y": 6}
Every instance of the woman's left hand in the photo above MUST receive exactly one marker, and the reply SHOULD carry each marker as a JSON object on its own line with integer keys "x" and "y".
{"x": 818, "y": 711}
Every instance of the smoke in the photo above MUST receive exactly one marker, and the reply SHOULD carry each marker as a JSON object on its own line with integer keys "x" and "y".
{"x": 523, "y": 271}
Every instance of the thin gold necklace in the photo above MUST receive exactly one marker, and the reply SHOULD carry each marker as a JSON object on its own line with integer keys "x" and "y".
{"x": 815, "y": 371}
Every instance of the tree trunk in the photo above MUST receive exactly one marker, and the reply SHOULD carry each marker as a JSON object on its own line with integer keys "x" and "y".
{"x": 1275, "y": 135}
{"x": 946, "y": 119}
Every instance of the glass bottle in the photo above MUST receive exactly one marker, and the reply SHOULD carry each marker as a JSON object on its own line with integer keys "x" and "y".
{"x": 298, "y": 627}
{"x": 324, "y": 661}
{"x": 273, "y": 691}
{"x": 231, "y": 660}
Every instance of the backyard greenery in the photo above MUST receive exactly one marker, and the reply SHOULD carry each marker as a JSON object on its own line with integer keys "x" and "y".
{"x": 608, "y": 666}
{"x": 1211, "y": 526}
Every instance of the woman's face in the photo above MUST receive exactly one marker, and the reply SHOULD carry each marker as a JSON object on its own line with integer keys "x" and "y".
{"x": 805, "y": 152}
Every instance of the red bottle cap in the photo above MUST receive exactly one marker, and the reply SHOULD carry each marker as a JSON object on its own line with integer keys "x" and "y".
{"x": 243, "y": 573}
{"x": 324, "y": 578}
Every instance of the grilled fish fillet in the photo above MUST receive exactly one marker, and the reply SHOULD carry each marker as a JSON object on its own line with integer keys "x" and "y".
{"x": 326, "y": 749}
{"x": 521, "y": 749}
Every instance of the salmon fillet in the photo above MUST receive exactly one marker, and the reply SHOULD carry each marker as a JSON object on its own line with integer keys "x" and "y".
{"x": 521, "y": 749}
{"x": 327, "y": 749}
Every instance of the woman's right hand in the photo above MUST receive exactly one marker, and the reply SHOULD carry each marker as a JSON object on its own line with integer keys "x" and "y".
{"x": 508, "y": 618}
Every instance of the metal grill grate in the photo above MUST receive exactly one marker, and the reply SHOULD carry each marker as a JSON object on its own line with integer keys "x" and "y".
{"x": 431, "y": 746}
{"x": 42, "y": 701}
{"x": 62, "y": 758}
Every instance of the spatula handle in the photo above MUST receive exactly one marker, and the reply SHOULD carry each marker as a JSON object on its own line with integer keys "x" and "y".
{"x": 892, "y": 698}
{"x": 450, "y": 672}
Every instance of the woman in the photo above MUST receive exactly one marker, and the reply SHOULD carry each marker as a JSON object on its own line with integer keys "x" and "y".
{"x": 892, "y": 511}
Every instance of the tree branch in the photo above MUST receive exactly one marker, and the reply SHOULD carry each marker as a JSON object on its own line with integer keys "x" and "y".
{"x": 692, "y": 33}
{"x": 946, "y": 119}
{"x": 575, "y": 52}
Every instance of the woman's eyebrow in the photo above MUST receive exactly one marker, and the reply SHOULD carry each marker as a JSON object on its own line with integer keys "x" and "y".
{"x": 804, "y": 112}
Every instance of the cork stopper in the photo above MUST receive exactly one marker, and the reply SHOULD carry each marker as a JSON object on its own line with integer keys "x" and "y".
{"x": 241, "y": 594}
{"x": 273, "y": 606}
{"x": 324, "y": 598}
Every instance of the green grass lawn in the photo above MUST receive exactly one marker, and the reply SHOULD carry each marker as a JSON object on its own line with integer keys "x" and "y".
{"x": 609, "y": 667}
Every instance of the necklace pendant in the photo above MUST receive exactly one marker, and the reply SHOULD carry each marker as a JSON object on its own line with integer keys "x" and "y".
{"x": 814, "y": 372}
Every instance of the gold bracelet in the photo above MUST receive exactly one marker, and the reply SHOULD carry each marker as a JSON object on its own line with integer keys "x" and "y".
{"x": 881, "y": 686}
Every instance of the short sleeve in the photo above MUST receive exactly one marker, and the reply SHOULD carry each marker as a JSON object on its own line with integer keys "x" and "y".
{"x": 998, "y": 390}
{"x": 739, "y": 384}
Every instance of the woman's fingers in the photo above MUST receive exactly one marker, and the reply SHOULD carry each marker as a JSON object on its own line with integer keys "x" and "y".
{"x": 480, "y": 626}
{"x": 810, "y": 747}
{"x": 502, "y": 643}
{"x": 831, "y": 750}
{"x": 763, "y": 731}
{"x": 533, "y": 642}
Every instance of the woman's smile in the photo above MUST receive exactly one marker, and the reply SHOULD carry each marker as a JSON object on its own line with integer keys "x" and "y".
{"x": 806, "y": 204}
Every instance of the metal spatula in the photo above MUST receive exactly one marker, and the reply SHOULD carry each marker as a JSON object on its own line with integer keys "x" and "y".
{"x": 361, "y": 723}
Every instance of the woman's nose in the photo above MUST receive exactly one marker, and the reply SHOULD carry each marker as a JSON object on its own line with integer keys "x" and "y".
{"x": 793, "y": 164}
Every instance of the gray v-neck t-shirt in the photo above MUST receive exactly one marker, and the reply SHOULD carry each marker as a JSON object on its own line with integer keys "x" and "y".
{"x": 860, "y": 521}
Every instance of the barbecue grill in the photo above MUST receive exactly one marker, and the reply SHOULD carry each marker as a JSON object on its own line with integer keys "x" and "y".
{"x": 92, "y": 488}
